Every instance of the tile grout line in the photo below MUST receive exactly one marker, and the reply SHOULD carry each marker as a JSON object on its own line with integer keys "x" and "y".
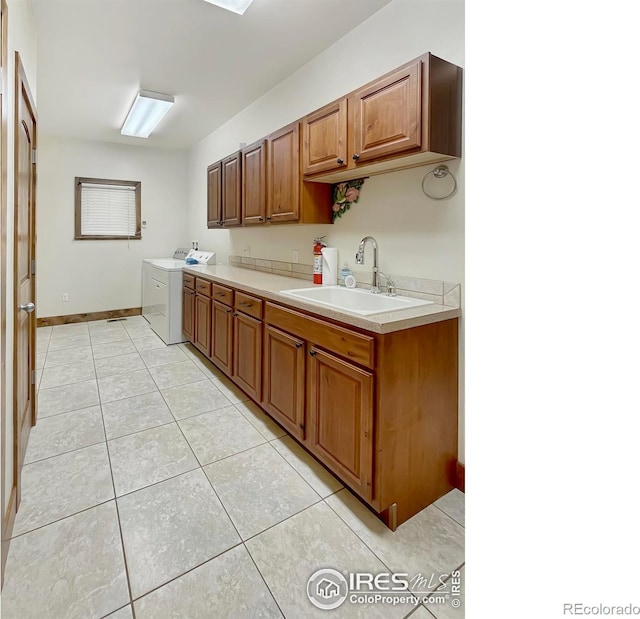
{"x": 80, "y": 511}
{"x": 115, "y": 498}
{"x": 64, "y": 453}
{"x": 447, "y": 514}
{"x": 191, "y": 569}
{"x": 354, "y": 532}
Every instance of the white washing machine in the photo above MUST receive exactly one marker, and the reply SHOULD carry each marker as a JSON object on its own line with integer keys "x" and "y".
{"x": 162, "y": 291}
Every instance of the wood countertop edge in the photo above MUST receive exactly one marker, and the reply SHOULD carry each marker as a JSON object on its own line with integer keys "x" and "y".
{"x": 398, "y": 322}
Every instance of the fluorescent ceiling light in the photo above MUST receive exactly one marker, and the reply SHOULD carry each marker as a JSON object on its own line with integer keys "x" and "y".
{"x": 146, "y": 112}
{"x": 236, "y": 6}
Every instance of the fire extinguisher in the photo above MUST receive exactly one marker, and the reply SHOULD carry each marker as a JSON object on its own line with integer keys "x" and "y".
{"x": 317, "y": 259}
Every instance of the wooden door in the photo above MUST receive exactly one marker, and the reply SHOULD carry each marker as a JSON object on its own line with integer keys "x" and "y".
{"x": 284, "y": 372}
{"x": 214, "y": 195}
{"x": 222, "y": 345}
{"x": 254, "y": 193}
{"x": 283, "y": 178}
{"x": 247, "y": 354}
{"x": 387, "y": 115}
{"x": 231, "y": 191}
{"x": 324, "y": 139}
{"x": 340, "y": 418}
{"x": 202, "y": 324}
{"x": 24, "y": 328}
{"x": 188, "y": 313}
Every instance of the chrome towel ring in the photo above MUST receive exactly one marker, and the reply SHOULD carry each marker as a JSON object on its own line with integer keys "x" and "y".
{"x": 440, "y": 172}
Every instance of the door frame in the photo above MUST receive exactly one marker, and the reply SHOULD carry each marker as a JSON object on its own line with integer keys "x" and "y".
{"x": 7, "y": 523}
{"x": 22, "y": 85}
{"x": 21, "y": 82}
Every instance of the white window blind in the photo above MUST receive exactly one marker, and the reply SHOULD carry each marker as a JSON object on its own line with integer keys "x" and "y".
{"x": 108, "y": 210}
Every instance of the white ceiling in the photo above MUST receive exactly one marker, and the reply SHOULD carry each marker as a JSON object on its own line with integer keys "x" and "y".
{"x": 94, "y": 55}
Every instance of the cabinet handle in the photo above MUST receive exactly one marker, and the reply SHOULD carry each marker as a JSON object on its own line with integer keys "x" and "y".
{"x": 269, "y": 218}
{"x": 234, "y": 313}
{"x": 312, "y": 353}
{"x": 340, "y": 161}
{"x": 219, "y": 222}
{"x": 260, "y": 218}
{"x": 298, "y": 344}
{"x": 355, "y": 157}
{"x": 228, "y": 310}
{"x": 245, "y": 304}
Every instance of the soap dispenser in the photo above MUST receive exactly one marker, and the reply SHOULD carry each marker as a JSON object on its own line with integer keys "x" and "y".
{"x": 344, "y": 272}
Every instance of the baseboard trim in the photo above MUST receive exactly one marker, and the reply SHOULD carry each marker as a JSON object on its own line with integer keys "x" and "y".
{"x": 51, "y": 321}
{"x": 460, "y": 476}
{"x": 7, "y": 530}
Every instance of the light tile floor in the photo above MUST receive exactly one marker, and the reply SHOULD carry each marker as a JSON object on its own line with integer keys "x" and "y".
{"x": 154, "y": 488}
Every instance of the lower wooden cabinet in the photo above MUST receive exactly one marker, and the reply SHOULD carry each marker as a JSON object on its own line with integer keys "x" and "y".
{"x": 222, "y": 340}
{"x": 202, "y": 324}
{"x": 188, "y": 300}
{"x": 340, "y": 418}
{"x": 378, "y": 410}
{"x": 247, "y": 354}
{"x": 284, "y": 379}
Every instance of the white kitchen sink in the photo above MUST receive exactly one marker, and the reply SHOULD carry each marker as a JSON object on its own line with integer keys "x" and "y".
{"x": 354, "y": 300}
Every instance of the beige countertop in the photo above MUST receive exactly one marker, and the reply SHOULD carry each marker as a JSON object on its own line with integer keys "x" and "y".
{"x": 268, "y": 286}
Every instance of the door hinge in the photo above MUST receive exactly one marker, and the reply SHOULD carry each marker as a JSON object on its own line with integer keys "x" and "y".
{"x": 34, "y": 156}
{"x": 33, "y": 267}
{"x": 33, "y": 377}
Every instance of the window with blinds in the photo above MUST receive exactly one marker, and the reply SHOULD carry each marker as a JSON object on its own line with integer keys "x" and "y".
{"x": 107, "y": 209}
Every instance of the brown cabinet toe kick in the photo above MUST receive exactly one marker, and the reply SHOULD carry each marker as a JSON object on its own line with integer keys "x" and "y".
{"x": 378, "y": 410}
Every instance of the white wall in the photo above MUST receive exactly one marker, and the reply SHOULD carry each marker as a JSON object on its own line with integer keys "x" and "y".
{"x": 22, "y": 38}
{"x": 103, "y": 275}
{"x": 417, "y": 236}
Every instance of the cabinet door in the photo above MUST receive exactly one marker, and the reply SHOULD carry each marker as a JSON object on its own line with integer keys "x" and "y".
{"x": 254, "y": 191}
{"x": 214, "y": 195}
{"x": 324, "y": 139}
{"x": 202, "y": 324}
{"x": 283, "y": 178}
{"x": 284, "y": 372}
{"x": 222, "y": 344}
{"x": 340, "y": 418}
{"x": 231, "y": 190}
{"x": 387, "y": 115}
{"x": 247, "y": 354}
{"x": 188, "y": 313}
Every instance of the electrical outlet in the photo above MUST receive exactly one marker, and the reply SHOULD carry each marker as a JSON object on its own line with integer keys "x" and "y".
{"x": 295, "y": 256}
{"x": 65, "y": 297}
{"x": 246, "y": 252}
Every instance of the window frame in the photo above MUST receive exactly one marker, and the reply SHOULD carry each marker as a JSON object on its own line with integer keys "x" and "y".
{"x": 79, "y": 180}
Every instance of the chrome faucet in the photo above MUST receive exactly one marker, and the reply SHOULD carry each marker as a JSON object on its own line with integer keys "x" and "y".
{"x": 375, "y": 284}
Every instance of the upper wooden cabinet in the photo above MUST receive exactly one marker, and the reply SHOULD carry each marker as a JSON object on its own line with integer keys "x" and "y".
{"x": 387, "y": 115}
{"x": 231, "y": 190}
{"x": 214, "y": 195}
{"x": 324, "y": 138}
{"x": 409, "y": 117}
{"x": 254, "y": 183}
{"x": 284, "y": 174}
{"x": 289, "y": 199}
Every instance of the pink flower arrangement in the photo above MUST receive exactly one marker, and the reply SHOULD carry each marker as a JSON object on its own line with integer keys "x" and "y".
{"x": 344, "y": 195}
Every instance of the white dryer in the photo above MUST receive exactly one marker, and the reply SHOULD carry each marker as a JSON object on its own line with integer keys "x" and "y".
{"x": 162, "y": 291}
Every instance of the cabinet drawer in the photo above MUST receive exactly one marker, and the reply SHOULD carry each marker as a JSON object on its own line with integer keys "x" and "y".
{"x": 341, "y": 341}
{"x": 249, "y": 305}
{"x": 203, "y": 287}
{"x": 222, "y": 294}
{"x": 189, "y": 281}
